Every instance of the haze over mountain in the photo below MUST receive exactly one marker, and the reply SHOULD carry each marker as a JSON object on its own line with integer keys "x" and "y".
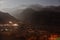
{"x": 25, "y": 14}
{"x": 16, "y": 11}
{"x": 44, "y": 17}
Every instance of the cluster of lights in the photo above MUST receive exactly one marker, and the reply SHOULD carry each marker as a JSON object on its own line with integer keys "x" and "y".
{"x": 9, "y": 24}
{"x": 6, "y": 29}
{"x": 13, "y": 24}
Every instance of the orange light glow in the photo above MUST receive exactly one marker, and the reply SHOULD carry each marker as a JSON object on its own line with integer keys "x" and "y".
{"x": 53, "y": 37}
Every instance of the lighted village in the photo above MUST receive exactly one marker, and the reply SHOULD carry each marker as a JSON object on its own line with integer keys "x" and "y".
{"x": 36, "y": 25}
{"x": 29, "y": 19}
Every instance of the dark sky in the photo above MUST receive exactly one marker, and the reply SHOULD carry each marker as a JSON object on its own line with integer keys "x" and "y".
{"x": 7, "y": 4}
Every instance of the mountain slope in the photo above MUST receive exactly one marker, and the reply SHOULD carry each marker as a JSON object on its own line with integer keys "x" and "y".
{"x": 5, "y": 18}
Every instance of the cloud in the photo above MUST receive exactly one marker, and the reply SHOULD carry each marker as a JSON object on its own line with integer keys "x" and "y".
{"x": 22, "y": 3}
{"x": 1, "y": 2}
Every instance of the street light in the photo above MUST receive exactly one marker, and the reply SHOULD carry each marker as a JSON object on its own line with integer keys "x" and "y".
{"x": 15, "y": 25}
{"x": 10, "y": 21}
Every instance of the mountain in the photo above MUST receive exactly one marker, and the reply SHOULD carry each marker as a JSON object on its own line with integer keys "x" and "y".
{"x": 17, "y": 11}
{"x": 47, "y": 18}
{"x": 6, "y": 17}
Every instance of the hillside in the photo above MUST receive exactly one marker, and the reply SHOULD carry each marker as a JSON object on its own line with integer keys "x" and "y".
{"x": 47, "y": 18}
{"x": 6, "y": 17}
